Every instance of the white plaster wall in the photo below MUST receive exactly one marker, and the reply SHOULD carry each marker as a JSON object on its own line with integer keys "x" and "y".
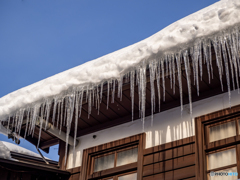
{"x": 167, "y": 126}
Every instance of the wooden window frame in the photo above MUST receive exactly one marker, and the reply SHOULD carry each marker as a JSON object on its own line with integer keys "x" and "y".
{"x": 220, "y": 150}
{"x": 90, "y": 154}
{"x": 204, "y": 147}
{"x": 115, "y": 152}
{"x": 116, "y": 176}
{"x": 207, "y": 129}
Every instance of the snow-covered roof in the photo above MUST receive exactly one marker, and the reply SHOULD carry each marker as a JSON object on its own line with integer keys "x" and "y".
{"x": 216, "y": 26}
{"x": 6, "y": 148}
{"x": 178, "y": 36}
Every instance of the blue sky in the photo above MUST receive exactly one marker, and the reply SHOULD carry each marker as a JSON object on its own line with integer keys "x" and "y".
{"x": 40, "y": 38}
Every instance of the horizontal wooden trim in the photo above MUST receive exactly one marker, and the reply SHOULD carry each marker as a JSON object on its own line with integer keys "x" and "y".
{"x": 75, "y": 170}
{"x": 191, "y": 178}
{"x": 170, "y": 145}
{"x": 169, "y": 165}
{"x": 169, "y": 154}
{"x": 222, "y": 168}
{"x": 113, "y": 171}
{"x": 49, "y": 143}
{"x": 33, "y": 159}
{"x": 222, "y": 143}
{"x": 183, "y": 173}
{"x": 224, "y": 114}
{"x": 33, "y": 166}
{"x": 133, "y": 140}
{"x": 75, "y": 176}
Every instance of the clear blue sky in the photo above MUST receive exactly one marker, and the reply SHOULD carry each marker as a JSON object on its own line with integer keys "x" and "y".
{"x": 39, "y": 38}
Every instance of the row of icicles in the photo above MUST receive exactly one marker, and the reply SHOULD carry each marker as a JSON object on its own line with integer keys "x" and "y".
{"x": 227, "y": 50}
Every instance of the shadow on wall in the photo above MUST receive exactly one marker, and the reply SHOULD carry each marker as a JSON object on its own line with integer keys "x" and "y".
{"x": 169, "y": 130}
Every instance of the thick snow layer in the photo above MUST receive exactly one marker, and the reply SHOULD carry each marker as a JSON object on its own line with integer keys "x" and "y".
{"x": 177, "y": 36}
{"x": 6, "y": 148}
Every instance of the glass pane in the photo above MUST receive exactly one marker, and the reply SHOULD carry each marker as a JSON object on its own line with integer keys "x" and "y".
{"x": 223, "y": 158}
{"x": 104, "y": 162}
{"x": 222, "y": 131}
{"x": 231, "y": 174}
{"x": 126, "y": 157}
{"x": 128, "y": 177}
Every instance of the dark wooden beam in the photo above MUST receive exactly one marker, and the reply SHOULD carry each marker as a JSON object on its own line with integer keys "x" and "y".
{"x": 164, "y": 107}
{"x": 48, "y": 143}
{"x": 33, "y": 140}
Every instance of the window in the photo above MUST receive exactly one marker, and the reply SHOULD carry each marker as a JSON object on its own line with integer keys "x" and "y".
{"x": 117, "y": 160}
{"x": 218, "y": 142}
{"x": 222, "y": 161}
{"x": 222, "y": 131}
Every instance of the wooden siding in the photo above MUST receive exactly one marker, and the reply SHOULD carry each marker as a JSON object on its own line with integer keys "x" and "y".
{"x": 170, "y": 161}
{"x": 202, "y": 144}
{"x": 75, "y": 173}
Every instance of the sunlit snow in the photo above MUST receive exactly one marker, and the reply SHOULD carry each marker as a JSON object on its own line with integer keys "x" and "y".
{"x": 164, "y": 53}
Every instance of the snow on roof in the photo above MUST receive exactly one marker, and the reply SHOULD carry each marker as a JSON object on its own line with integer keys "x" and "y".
{"x": 6, "y": 148}
{"x": 216, "y": 25}
{"x": 177, "y": 36}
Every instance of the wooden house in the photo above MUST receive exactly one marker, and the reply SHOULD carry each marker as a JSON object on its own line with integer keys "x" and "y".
{"x": 164, "y": 108}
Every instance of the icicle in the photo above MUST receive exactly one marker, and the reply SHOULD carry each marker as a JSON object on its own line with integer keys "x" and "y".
{"x": 218, "y": 59}
{"x": 170, "y": 71}
{"x": 31, "y": 121}
{"x": 222, "y": 41}
{"x": 195, "y": 56}
{"x": 58, "y": 117}
{"x": 173, "y": 72}
{"x": 210, "y": 56}
{"x": 27, "y": 121}
{"x": 142, "y": 87}
{"x": 187, "y": 70}
{"x": 70, "y": 110}
{"x": 120, "y": 83}
{"x": 97, "y": 100}
{"x": 166, "y": 62}
{"x": 108, "y": 93}
{"x": 179, "y": 69}
{"x": 61, "y": 115}
{"x": 65, "y": 113}
{"x": 200, "y": 61}
{"x": 206, "y": 58}
{"x": 139, "y": 90}
{"x": 15, "y": 124}
{"x": 40, "y": 128}
{"x": 54, "y": 110}
{"x": 48, "y": 109}
{"x": 9, "y": 119}
{"x": 113, "y": 90}
{"x": 93, "y": 98}
{"x": 101, "y": 91}
{"x": 152, "y": 70}
{"x": 163, "y": 78}
{"x": 34, "y": 118}
{"x": 233, "y": 59}
{"x": 89, "y": 104}
{"x": 20, "y": 120}
{"x": 78, "y": 98}
{"x": 132, "y": 78}
{"x": 230, "y": 60}
{"x": 158, "y": 71}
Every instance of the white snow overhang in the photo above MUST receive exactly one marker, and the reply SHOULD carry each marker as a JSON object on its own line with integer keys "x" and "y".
{"x": 216, "y": 26}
